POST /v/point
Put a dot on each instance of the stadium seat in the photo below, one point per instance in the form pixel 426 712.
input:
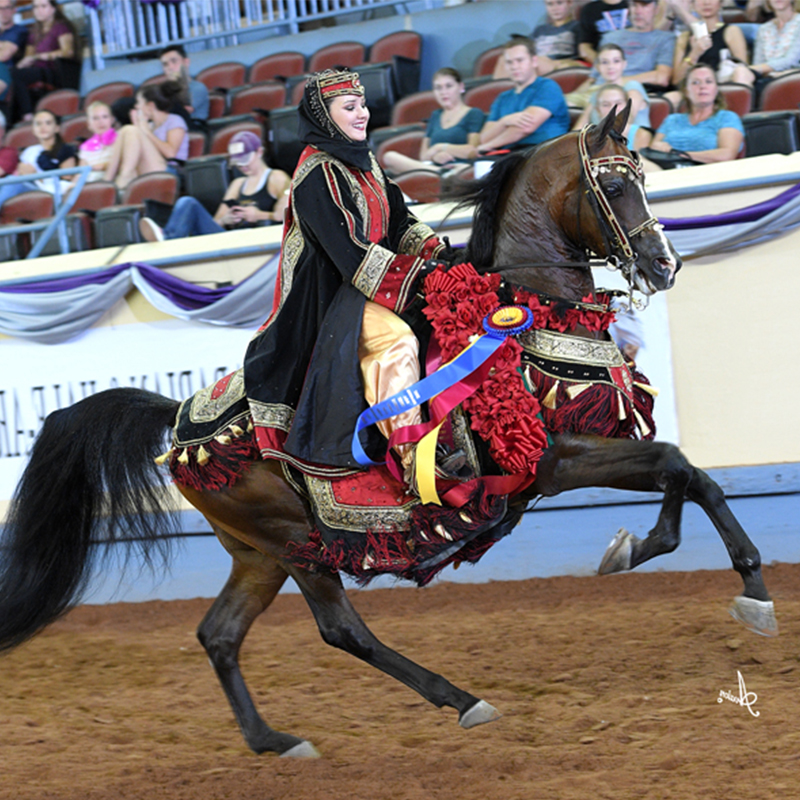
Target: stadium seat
pixel 75 128
pixel 486 61
pixel 782 94
pixel 220 138
pixel 399 43
pixel 79 236
pixel 769 132
pixel 117 226
pixel 160 78
pixel 294 90
pixel 422 186
pixel 570 78
pixel 28 206
pixel 206 179
pixel 660 109
pixel 408 144
pixel 416 107
pixel 265 96
pixel 9 248
pixel 160 186
pixel 20 136
pixel 284 146
pixel 484 95
pixel 108 93
pixel 278 65
pixel 217 104
pixel 341 54
pixel 379 85
pixel 62 102
pixel 738 97
pixel 197 144
pixel 96 195
pixel 226 75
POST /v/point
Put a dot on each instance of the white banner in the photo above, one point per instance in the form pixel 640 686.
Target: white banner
pixel 171 357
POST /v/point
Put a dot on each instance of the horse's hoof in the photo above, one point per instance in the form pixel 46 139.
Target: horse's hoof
pixel 478 714
pixel 618 556
pixel 757 616
pixel 303 750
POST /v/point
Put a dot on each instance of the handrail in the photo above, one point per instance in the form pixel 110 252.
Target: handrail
pixel 61 208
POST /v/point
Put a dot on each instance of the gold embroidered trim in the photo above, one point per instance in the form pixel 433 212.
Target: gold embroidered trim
pixel 272 415
pixel 414 239
pixel 308 469
pixel 204 408
pixel 372 271
pixel 561 347
pixel 354 518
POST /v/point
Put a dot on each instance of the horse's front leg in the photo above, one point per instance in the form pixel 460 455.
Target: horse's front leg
pixel 341 626
pixel 575 462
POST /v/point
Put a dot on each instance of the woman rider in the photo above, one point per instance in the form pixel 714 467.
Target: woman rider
pixel 352 259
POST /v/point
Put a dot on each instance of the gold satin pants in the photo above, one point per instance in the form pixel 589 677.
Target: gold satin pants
pixel 388 353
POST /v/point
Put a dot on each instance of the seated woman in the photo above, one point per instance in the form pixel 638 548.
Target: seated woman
pixel 708 132
pixel 95 152
pixel 50 153
pixel 155 141
pixel 777 47
pixel 52 56
pixel 453 130
pixel 608 98
pixel 258 198
pixel 610 65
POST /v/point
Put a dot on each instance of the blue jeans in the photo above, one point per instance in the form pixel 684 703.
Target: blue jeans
pixel 189 218
pixel 13 189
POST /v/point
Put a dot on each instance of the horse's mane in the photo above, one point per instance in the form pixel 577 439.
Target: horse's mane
pixel 484 194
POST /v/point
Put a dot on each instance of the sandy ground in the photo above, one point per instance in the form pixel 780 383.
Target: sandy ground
pixel 609 689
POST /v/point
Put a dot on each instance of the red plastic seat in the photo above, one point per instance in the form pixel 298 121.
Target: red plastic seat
pixel 220 139
pixel 226 75
pixel 161 186
pixel 570 78
pixel 217 103
pixel 486 62
pixel 484 95
pixel 420 185
pixel 108 93
pixel 277 65
pixel 296 93
pixel 96 195
pixel 660 109
pixel 399 43
pixel 160 78
pixel 75 128
pixel 28 206
pixel 416 107
pixel 341 54
pixel 782 94
pixel 263 95
pixel 407 143
pixel 62 102
pixel 20 136
pixel 738 97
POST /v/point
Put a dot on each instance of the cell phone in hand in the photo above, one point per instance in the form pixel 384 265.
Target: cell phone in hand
pixel 699 29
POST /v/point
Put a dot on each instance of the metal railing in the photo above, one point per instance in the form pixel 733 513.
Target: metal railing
pixel 124 28
pixel 61 206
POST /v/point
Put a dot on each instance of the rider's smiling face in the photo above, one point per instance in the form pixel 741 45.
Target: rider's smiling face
pixel 351 115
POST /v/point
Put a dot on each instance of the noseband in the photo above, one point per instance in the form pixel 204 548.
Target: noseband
pixel 621 250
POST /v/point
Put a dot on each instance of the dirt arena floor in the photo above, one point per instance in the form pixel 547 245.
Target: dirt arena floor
pixel 609 689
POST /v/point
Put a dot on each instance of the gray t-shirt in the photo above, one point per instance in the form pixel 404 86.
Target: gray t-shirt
pixel 644 51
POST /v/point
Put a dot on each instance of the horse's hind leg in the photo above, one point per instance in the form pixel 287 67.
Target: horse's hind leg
pixel 582 461
pixel 254 582
pixel 341 626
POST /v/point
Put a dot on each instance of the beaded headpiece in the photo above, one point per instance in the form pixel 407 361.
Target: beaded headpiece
pixel 324 86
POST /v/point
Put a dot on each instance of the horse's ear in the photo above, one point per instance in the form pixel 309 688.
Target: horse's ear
pixel 622 118
pixel 598 134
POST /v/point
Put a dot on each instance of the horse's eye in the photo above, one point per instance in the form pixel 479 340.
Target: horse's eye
pixel 614 189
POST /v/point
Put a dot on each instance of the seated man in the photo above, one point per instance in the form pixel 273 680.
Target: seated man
pixel 530 113
pixel 175 64
pixel 13 37
pixel 258 198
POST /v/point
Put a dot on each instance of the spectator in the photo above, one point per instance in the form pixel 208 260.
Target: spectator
pixel 777 46
pixel 530 113
pixel 708 43
pixel 155 141
pixel 175 64
pixel 96 150
pixel 708 132
pixel 648 52
pixel 12 36
pixel 9 158
pixel 612 97
pixel 611 66
pixel 258 198
pixel 52 56
pixel 453 133
pixel 599 17
pixel 50 153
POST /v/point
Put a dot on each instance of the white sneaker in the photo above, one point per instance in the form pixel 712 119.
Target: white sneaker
pixel 150 231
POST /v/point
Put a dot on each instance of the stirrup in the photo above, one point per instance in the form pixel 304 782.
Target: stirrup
pixel 451 465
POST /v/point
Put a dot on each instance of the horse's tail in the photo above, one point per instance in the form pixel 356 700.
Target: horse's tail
pixel 91 483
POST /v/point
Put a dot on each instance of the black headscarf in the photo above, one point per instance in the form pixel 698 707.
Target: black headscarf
pixel 316 126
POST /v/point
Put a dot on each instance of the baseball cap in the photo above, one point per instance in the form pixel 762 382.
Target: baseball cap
pixel 242 146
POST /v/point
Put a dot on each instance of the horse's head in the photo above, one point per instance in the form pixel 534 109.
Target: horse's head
pixel 613 216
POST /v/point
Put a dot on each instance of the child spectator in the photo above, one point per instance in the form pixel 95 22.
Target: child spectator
pixel 608 98
pixel 96 150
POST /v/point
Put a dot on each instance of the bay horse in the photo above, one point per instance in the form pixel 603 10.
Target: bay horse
pixel 91 484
